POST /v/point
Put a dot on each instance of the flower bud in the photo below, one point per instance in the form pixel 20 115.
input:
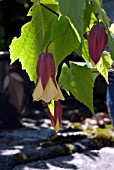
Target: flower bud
pixel 97 41
pixel 56 116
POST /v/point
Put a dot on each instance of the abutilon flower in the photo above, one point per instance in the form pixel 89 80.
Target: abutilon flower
pixel 97 40
pixel 46 88
pixel 56 117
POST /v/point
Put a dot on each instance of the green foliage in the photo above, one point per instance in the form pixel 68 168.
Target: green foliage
pixel 111 44
pixel 97 6
pixel 64 37
pixel 32 36
pixel 79 81
pixel 103 65
pixel 85 52
pixel 87 15
pixel 74 9
pixel 48 1
pixel 66 24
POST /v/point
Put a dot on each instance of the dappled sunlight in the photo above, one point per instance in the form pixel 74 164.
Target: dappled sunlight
pixel 9 152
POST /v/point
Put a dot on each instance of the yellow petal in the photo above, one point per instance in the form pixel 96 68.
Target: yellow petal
pixel 112 28
pixel 50 91
pixel 57 126
pixel 59 95
pixel 38 91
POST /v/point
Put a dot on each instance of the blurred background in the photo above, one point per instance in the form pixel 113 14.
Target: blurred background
pixel 14 83
pixel 12 17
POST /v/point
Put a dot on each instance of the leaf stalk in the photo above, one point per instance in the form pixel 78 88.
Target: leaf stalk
pixel 51 10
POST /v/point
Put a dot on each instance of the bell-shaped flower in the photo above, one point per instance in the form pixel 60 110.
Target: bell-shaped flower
pixel 55 115
pixel 46 88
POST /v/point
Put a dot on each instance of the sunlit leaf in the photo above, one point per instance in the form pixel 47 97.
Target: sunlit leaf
pixel 85 52
pixel 111 44
pixel 79 81
pixel 64 37
pixel 29 45
pixel 103 65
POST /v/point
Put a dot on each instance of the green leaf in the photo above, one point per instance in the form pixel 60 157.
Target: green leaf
pixel 85 52
pixel 92 22
pixel 103 65
pixel 28 46
pixel 79 81
pixel 74 10
pixel 34 1
pixel 111 44
pixel 87 15
pixel 64 38
pixel 97 6
pixel 47 36
pixel 78 50
pixel 98 2
pixel 48 1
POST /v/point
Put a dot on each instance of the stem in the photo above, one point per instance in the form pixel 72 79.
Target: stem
pixel 51 10
pixel 48 46
pixel 97 16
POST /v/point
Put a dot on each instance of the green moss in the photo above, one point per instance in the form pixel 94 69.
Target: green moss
pixel 58 150
pixel 47 143
pixel 90 128
pixel 20 158
pixel 69 148
pixel 105 133
pixel 76 126
pixel 108 126
pixel 102 137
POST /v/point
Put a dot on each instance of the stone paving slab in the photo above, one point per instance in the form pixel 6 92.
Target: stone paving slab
pixel 21 149
pixel 20 145
pixel 89 160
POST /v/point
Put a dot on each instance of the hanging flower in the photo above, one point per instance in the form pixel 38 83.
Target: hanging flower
pixel 46 88
pixel 55 115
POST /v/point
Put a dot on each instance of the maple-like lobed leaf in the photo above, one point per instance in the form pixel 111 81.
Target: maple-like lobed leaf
pixel 28 46
pixel 79 81
pixel 74 9
pixel 64 38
